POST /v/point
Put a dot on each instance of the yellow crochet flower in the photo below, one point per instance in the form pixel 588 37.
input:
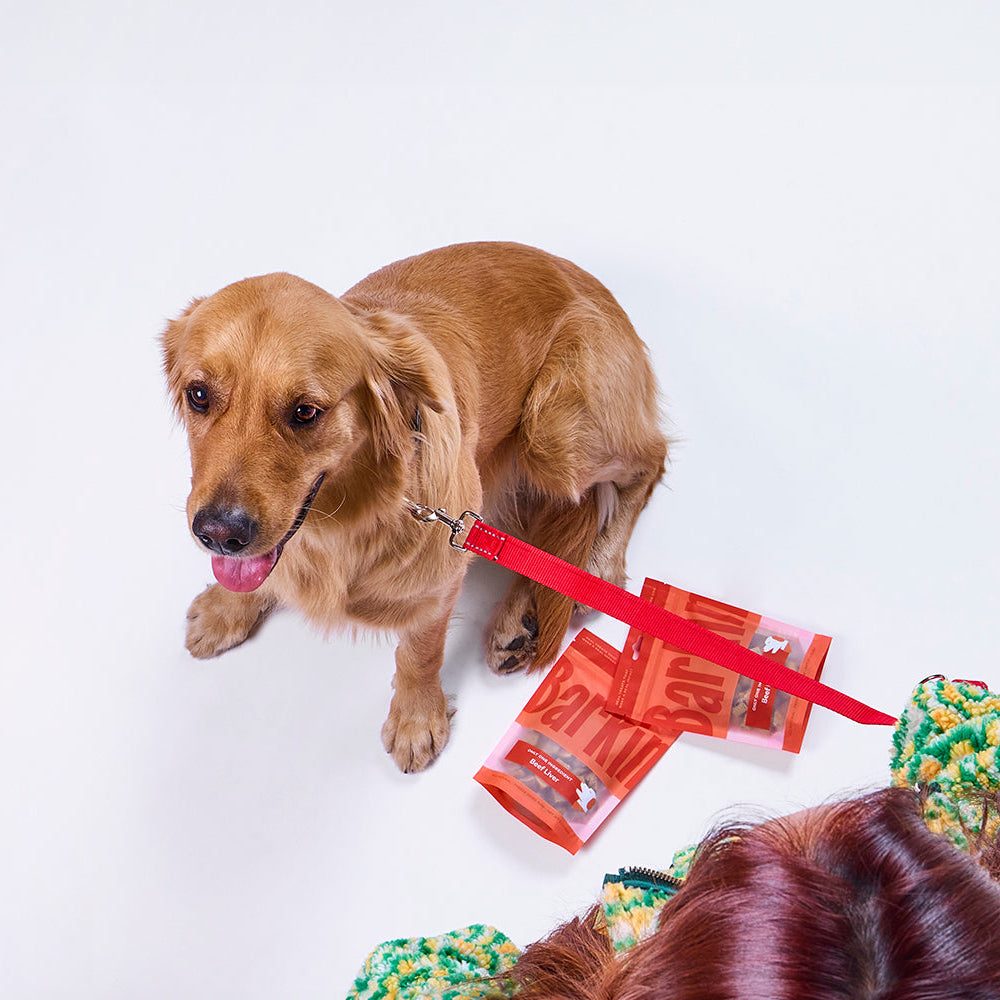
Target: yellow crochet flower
pixel 928 771
pixel 951 773
pixel 936 824
pixel 945 716
pixel 986 707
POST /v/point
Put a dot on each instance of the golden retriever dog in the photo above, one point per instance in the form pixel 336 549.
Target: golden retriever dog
pixel 485 376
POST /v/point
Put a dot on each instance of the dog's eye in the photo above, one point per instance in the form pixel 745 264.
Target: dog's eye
pixel 305 413
pixel 198 398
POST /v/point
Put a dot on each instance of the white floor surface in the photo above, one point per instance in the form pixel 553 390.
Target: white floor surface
pixel 798 210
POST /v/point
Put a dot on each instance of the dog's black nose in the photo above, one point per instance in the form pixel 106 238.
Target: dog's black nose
pixel 227 532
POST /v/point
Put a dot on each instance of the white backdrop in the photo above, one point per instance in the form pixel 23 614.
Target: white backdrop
pixel 798 210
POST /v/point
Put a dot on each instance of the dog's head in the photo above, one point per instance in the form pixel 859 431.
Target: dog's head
pixel 291 402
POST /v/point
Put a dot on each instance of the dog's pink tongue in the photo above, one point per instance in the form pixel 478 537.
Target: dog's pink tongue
pixel 243 575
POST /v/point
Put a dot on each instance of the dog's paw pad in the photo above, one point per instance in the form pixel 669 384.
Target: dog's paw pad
pixel 512 640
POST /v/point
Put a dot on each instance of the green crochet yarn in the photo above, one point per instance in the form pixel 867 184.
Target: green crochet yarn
pixel 631 900
pixel 631 913
pixel 946 742
pixel 447 967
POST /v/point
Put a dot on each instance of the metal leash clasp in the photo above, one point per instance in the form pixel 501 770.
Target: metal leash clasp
pixel 426 515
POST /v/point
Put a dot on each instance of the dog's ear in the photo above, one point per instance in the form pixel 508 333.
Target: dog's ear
pixel 406 376
pixel 170 343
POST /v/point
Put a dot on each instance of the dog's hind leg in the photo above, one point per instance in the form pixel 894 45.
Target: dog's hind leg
pixel 619 507
pixel 528 625
pixel 587 456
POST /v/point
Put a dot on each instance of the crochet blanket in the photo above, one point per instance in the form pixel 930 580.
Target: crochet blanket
pixel 459 964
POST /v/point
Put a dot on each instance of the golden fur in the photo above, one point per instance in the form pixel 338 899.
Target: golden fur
pixel 482 376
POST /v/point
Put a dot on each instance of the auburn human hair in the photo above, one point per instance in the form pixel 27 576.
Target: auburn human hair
pixel 852 900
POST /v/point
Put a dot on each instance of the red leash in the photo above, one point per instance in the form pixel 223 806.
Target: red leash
pixel 593 592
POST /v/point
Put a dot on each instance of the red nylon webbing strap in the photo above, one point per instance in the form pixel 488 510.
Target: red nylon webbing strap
pixel 565 578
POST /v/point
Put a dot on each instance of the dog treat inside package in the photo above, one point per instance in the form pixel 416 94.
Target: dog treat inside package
pixel 567 762
pixel 666 689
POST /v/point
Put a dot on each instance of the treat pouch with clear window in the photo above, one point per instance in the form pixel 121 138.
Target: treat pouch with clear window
pixel 566 762
pixel 667 689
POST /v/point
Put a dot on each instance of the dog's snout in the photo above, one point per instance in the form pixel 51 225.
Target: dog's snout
pixel 226 532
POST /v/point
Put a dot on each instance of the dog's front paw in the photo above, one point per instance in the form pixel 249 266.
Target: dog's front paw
pixel 219 619
pixel 417 729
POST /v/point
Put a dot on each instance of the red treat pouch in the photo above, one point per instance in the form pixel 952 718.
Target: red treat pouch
pixel 667 689
pixel 566 762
